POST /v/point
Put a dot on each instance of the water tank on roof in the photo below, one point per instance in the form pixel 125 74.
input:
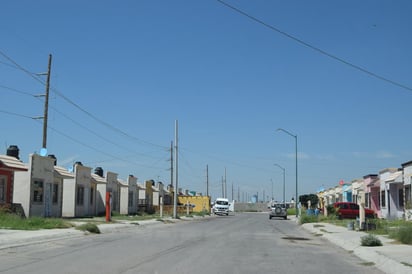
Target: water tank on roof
pixel 13 151
pixel 53 157
pixel 98 171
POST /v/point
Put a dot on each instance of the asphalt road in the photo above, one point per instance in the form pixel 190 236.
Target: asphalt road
pixel 244 243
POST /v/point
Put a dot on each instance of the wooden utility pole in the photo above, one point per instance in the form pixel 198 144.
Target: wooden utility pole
pixel 46 104
pixel 207 180
pixel 176 189
pixel 171 163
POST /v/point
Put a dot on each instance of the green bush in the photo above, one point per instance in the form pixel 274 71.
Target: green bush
pixel 92 228
pixel 370 240
pixel 403 233
pixel 308 219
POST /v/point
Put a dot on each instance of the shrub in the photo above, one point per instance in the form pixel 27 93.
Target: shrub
pixel 402 234
pixel 308 219
pixel 92 228
pixel 370 240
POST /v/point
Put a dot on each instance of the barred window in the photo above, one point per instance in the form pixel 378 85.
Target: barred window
pixel 38 191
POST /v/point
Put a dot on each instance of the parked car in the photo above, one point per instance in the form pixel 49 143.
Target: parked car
pixel 278 210
pixel 351 210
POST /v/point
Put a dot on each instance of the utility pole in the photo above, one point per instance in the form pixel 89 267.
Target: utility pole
pixel 225 186
pixel 171 163
pixel 207 180
pixel 232 193
pixel 176 189
pixel 46 104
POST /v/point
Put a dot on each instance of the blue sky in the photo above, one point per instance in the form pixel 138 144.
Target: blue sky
pixel 124 71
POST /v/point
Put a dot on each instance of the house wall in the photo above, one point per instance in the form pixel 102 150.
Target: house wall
pixel 37 180
pixel 407 179
pixel 21 190
pixel 133 194
pixel 82 191
pixel 69 198
pixel 113 187
pixel 7 177
pixel 384 194
pixel 57 190
pixel 202 203
pixel 101 198
pixel 124 199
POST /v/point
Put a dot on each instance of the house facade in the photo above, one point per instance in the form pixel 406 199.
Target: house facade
pixel 387 193
pixel 100 185
pixel 79 193
pixel 9 165
pixel 33 189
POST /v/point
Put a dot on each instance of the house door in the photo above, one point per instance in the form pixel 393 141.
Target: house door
pixel 47 200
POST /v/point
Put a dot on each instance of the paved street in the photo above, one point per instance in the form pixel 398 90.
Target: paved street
pixel 244 243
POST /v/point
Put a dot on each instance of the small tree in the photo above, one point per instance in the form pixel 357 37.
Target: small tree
pixel 313 198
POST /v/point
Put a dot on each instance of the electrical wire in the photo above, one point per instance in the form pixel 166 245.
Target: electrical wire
pixel 319 50
pixel 113 128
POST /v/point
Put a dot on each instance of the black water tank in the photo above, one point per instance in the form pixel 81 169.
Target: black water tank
pixel 98 171
pixel 53 157
pixel 13 151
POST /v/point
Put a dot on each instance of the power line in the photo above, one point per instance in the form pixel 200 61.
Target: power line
pixel 319 50
pixel 77 141
pixel 113 128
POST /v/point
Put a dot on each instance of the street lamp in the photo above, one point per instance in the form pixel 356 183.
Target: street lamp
pixel 284 171
pixel 296 164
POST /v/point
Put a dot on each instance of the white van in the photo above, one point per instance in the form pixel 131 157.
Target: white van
pixel 221 206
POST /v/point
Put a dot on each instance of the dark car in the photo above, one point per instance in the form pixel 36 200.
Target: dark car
pixel 348 210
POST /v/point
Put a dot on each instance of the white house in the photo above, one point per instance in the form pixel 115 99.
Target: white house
pixel 61 176
pixel 79 193
pixel 391 197
pixel 33 189
pixel 114 188
pixel 123 188
pixel 133 194
pixel 100 184
pixel 141 197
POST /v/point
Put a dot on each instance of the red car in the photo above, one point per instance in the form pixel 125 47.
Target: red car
pixel 351 210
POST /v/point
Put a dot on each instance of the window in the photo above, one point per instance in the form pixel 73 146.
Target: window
pixel 80 195
pixel 38 191
pixel 2 189
pixel 55 194
pixel 400 199
pixel 383 201
pixel 354 206
pixel 91 195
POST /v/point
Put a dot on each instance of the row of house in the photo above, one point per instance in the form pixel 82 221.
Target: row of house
pixel 41 188
pixel 388 193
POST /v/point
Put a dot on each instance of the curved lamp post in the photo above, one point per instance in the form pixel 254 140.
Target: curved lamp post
pixel 296 164
pixel 284 171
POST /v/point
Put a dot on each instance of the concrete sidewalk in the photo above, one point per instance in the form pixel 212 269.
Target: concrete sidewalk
pixel 10 238
pixel 390 258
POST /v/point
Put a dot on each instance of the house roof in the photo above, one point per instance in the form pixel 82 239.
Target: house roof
pixel 12 163
pixel 396 177
pixel 62 172
pixel 122 182
pixel 374 183
pixel 98 179
pixel 141 186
